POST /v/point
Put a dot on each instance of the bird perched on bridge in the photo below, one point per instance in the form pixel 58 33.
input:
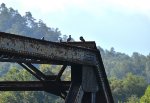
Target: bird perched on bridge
pixel 42 38
pixel 82 39
pixel 60 39
pixel 69 39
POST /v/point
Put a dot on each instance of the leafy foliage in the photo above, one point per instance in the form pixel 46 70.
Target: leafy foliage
pixel 146 97
pixel 128 86
pixel 133 99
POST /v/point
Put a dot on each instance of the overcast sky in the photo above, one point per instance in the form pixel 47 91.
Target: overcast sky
pixel 122 24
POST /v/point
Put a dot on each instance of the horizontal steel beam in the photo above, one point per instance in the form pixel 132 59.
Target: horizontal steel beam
pixel 46 50
pixel 87 44
pixel 33 61
pixel 53 87
pixel 34 85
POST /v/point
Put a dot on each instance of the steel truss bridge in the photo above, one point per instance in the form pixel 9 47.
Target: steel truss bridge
pixel 88 84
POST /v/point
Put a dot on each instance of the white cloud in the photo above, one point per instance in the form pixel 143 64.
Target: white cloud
pixel 91 6
pixel 38 5
pixel 141 6
pixel 122 6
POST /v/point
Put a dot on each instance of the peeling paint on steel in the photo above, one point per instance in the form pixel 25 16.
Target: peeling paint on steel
pixel 47 50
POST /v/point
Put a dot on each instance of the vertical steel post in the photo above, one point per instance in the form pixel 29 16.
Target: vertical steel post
pixel 76 79
pixel 93 97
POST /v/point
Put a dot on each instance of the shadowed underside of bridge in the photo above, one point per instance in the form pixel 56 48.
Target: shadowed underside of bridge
pixel 88 83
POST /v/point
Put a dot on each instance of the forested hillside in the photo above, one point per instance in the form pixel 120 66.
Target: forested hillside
pixel 129 76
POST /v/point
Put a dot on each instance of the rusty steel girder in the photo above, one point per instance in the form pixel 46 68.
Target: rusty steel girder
pixel 87 44
pixel 25 46
pixel 41 51
pixel 56 88
pixel 33 85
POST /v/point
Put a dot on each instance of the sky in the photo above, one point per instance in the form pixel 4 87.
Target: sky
pixel 122 24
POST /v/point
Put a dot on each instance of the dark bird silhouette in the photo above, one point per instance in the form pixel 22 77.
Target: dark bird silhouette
pixel 60 39
pixel 42 38
pixel 69 39
pixel 82 39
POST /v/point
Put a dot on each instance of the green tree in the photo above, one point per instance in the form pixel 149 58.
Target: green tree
pixel 128 86
pixel 146 97
pixel 133 99
pixel 147 69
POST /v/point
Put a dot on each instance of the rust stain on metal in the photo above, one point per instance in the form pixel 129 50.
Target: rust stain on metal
pixel 48 50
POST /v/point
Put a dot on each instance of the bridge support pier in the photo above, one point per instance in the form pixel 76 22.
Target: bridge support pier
pixel 84 86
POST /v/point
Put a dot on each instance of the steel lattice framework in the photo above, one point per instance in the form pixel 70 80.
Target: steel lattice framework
pixel 88 83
